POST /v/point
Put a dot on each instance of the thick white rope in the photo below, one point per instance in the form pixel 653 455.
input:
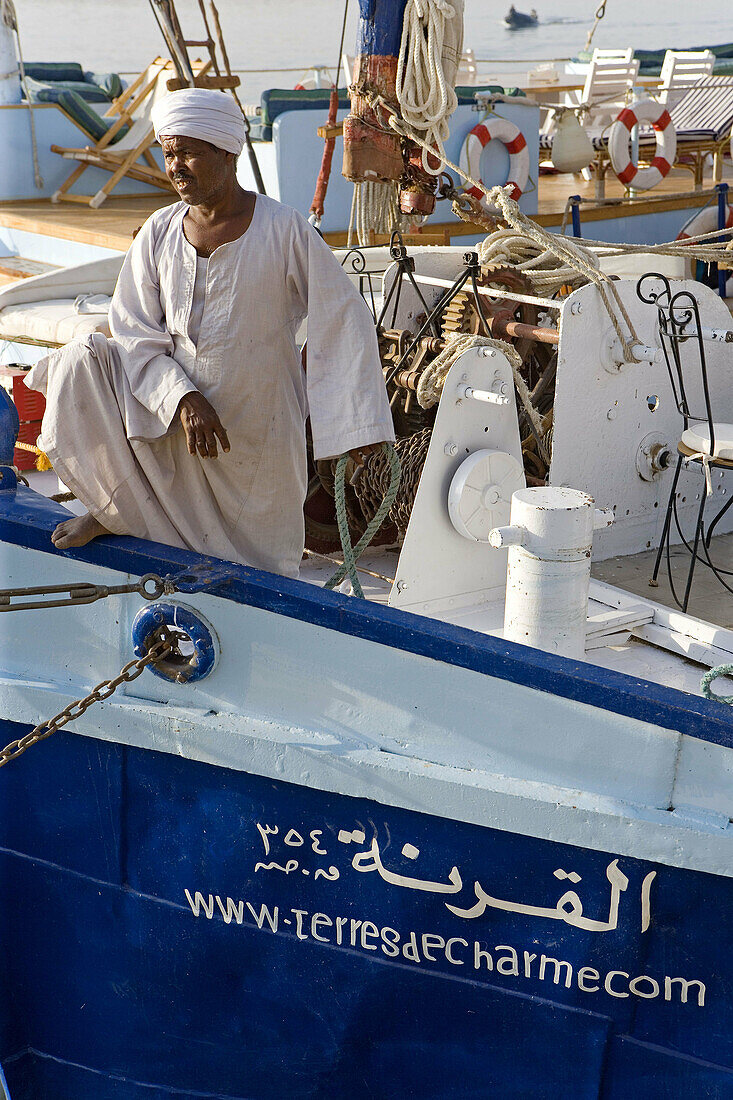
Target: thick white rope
pixel 374 209
pixel 546 272
pixel 562 247
pixel 426 99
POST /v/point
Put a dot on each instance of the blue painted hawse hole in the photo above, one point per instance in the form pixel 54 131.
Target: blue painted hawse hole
pixel 199 649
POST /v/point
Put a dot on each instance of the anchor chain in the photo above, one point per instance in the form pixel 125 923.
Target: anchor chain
pixel 166 644
pixel 150 587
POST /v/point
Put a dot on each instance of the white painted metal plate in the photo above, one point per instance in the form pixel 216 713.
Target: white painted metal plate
pixel 602 416
pixel 438 568
pixel 480 493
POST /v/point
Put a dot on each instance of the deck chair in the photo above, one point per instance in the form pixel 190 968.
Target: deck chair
pixel 680 70
pixel 130 155
pixel 703 119
pixel 608 85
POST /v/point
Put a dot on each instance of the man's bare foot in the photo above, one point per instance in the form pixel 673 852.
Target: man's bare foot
pixel 77 531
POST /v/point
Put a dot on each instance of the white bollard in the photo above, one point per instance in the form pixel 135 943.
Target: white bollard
pixel 550 538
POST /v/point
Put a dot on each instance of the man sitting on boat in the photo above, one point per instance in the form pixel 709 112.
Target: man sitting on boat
pixel 203 360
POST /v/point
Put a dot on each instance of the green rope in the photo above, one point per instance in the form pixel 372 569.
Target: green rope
pixel 352 554
pixel 719 670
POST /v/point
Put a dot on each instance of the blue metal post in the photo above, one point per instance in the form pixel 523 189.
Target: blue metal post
pixel 575 212
pixel 722 189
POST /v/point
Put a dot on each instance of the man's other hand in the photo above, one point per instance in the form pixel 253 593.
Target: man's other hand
pixel 202 426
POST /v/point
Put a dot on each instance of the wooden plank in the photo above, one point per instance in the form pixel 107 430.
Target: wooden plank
pixel 20 267
pixel 334 131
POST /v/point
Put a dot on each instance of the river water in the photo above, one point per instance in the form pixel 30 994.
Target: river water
pixel 122 35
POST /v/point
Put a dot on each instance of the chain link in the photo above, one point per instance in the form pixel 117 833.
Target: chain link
pixel 102 691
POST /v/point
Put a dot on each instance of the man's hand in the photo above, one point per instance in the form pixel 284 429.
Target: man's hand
pixel 201 425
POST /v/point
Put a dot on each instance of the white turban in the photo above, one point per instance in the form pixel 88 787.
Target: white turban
pixel 200 113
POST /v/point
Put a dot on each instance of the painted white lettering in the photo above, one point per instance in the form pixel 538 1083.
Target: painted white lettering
pixel 340 922
pixel 429 942
pixel 317 920
pixel 369 929
pixel 330 875
pixel 448 950
pixel 509 963
pixel 390 940
pixel 528 959
pixel 263 831
pixel 355 924
pixel 291 865
pixel 634 986
pixel 479 955
pixel 299 914
pixel 197 903
pixel 545 959
pixel 355 837
pixel 645 903
pixel 410 949
pixel 232 909
pixel 294 839
pixel 607 984
pixel 587 972
pixel 265 915
pixel 684 986
pixel 315 842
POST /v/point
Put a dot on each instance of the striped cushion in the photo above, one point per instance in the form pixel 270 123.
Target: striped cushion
pixel 705 112
pixel 86 117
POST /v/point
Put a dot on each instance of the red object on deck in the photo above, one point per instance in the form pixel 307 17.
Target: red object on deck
pixel 319 197
pixel 28 433
pixel 31 406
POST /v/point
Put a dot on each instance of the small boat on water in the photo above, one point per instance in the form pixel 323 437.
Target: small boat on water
pixel 471 835
pixel 516 19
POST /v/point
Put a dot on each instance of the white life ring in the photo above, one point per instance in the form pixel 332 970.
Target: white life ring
pixel 705 221
pixel 643 110
pixel 504 131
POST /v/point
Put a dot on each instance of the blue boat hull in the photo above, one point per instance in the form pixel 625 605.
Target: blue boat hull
pixel 324 960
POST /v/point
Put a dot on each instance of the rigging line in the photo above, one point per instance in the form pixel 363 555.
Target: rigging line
pixel 341 45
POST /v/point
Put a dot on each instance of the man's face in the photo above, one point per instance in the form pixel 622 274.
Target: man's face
pixel 198 171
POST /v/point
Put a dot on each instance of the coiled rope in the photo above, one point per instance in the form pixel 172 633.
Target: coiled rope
pixel 562 247
pixel 713 674
pixel 432 379
pixel 426 99
pixel 545 270
pixel 352 554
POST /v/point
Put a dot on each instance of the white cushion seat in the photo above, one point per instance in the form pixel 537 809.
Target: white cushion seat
pixel 697 439
pixel 53 322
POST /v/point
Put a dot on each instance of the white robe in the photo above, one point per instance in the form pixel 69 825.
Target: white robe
pixel 109 427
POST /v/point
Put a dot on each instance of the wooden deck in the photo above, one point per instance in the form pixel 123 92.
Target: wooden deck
pixel 113 225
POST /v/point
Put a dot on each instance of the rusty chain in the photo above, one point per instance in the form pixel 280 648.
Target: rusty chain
pixel 130 672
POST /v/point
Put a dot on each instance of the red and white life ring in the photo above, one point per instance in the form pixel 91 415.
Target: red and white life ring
pixel 504 131
pixel 643 110
pixel 705 221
